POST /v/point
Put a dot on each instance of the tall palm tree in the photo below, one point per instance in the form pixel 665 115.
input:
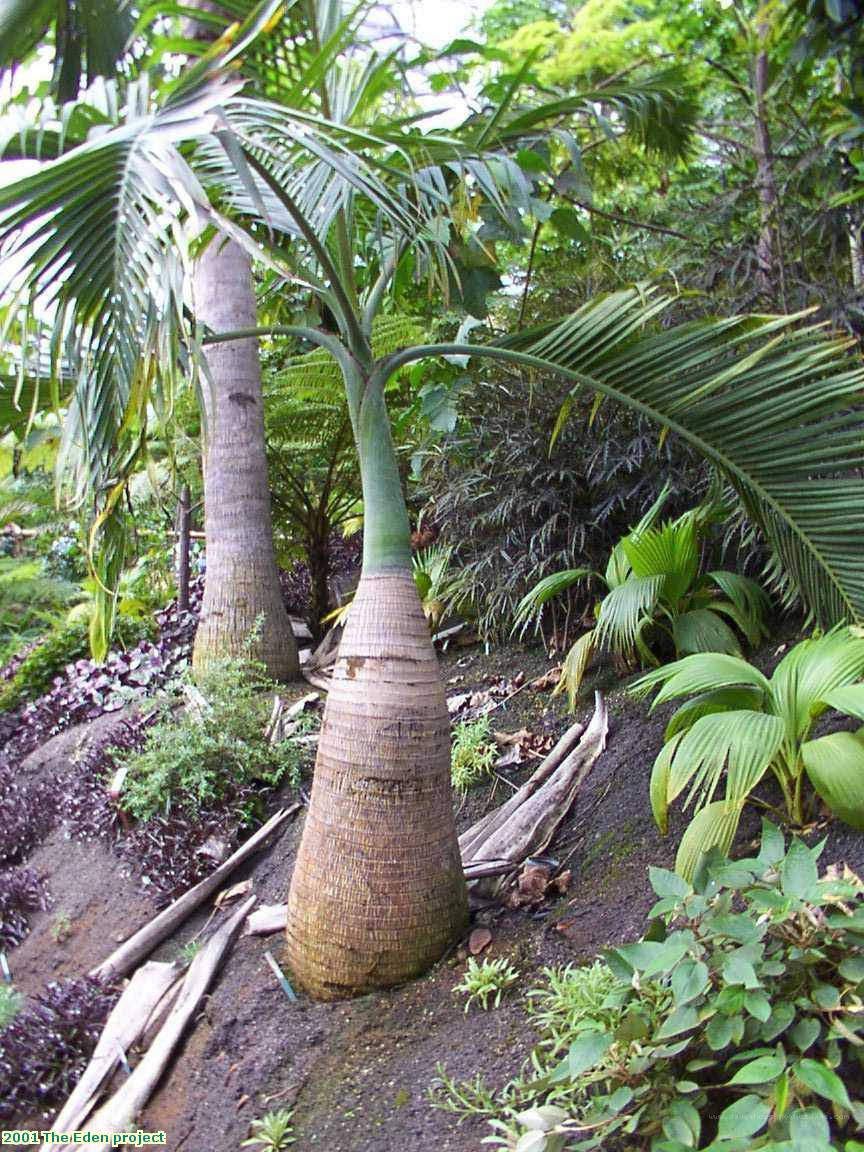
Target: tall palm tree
pixel 242 612
pixel 377 891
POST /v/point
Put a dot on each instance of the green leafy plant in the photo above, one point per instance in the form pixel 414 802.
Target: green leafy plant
pixel 61 926
pixel 572 995
pixel 437 584
pixel 472 753
pixel 736 1024
pixel 30 598
pixel 42 663
pixel 486 980
pixel 211 749
pixel 11 1003
pixel 273 1132
pixel 745 725
pixel 658 599
pixel 187 952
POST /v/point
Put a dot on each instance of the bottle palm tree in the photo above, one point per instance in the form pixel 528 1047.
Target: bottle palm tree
pixel 377 892
pixel 242 610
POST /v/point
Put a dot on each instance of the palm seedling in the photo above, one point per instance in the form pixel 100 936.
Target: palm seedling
pixel 742 725
pixel 657 599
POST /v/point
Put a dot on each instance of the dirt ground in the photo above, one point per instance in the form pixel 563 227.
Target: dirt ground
pixel 357 1074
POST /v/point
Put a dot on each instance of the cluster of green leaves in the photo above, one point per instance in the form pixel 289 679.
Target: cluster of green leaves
pixel 742 724
pixel 11 1003
pixel 472 753
pixel 42 663
pixel 273 1132
pixel 658 599
pixel 735 1024
pixel 30 599
pixel 215 750
pixel 486 980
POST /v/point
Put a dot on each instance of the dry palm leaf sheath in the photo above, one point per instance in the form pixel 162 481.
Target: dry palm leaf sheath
pixel 526 824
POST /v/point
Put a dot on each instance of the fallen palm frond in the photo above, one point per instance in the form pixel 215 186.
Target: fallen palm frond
pixel 127 1022
pixel 471 840
pixel 526 824
pixel 137 947
pixel 123 1108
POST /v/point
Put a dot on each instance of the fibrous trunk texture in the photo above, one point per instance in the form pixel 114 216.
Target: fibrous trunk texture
pixel 242 612
pixel 378 892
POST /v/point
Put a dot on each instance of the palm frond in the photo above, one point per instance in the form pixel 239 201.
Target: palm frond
pixel 702 672
pixel 773 403
pixel 811 672
pixel 659 109
pixel 623 610
pixel 702 630
pixel 530 606
pixel 748 603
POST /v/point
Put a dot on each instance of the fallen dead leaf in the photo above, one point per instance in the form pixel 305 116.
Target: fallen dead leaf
pixel 232 893
pixel 547 680
pixel 512 758
pixel 518 737
pixel 479 940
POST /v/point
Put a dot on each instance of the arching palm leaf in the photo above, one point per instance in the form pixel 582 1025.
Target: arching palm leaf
pixel 775 404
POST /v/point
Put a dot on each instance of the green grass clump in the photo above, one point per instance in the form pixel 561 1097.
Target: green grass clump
pixel 472 753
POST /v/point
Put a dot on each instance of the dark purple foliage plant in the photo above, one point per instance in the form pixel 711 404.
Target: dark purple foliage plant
pixel 45 1048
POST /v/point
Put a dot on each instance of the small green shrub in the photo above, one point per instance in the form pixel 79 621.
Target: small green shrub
pixel 273 1132
pixel 60 647
pixel 485 980
pixel 207 755
pixel 737 1023
pixel 472 753
pixel 11 1003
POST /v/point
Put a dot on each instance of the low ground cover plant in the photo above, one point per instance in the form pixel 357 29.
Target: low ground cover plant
pixel 45 1047
pixel 658 599
pixel 486 980
pixel 213 750
pixel 472 753
pixel 740 723
pixel 22 892
pixel 736 1023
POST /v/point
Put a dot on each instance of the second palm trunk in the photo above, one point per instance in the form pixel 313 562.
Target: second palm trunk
pixel 242 612
pixel 378 893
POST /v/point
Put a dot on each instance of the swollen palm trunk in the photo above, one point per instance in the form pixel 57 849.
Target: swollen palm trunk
pixel 242 612
pixel 378 892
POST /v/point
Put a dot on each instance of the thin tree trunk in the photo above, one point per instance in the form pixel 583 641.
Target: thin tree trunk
pixel 242 611
pixel 184 531
pixel 856 254
pixel 770 271
pixel 378 892
pixel 318 556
